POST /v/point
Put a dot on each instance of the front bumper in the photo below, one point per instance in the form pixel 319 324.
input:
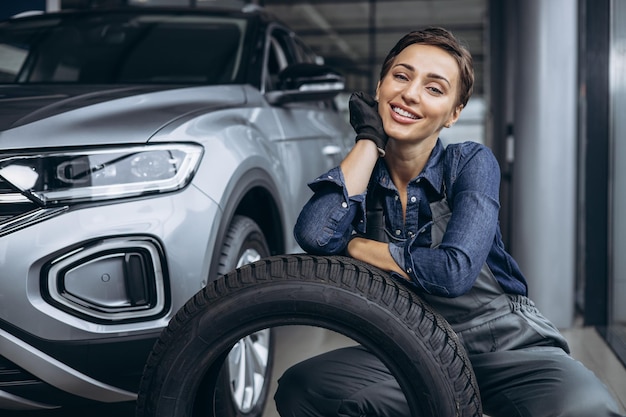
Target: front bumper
pixel 66 329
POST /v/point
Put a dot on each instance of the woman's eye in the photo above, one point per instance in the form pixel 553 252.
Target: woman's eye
pixel 435 90
pixel 401 77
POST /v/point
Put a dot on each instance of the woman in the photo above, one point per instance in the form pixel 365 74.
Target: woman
pixel 440 233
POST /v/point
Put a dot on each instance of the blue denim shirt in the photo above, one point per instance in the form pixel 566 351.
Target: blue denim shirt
pixel 468 175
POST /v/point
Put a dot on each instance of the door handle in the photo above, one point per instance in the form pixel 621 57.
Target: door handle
pixel 331 150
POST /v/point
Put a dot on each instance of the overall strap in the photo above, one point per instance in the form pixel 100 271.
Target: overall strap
pixel 375 214
pixel 450 167
pixel 374 200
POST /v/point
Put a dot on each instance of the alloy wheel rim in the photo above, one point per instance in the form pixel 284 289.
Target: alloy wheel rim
pixel 248 359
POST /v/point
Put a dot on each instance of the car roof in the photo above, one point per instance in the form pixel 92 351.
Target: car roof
pixel 244 11
pixel 259 20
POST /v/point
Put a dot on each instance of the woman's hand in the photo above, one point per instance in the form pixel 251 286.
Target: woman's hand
pixel 374 253
pixel 366 121
pixel 358 165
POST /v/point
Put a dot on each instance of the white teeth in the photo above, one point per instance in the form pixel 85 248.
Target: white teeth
pixel 404 113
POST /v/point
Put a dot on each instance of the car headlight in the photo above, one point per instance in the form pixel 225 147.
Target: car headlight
pixel 101 173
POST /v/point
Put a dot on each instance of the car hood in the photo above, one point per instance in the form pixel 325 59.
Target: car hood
pixel 106 114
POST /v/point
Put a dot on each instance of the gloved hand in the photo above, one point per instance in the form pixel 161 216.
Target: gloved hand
pixel 366 121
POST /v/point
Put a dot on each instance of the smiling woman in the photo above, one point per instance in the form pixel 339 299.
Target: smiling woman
pixel 416 98
pixel 438 212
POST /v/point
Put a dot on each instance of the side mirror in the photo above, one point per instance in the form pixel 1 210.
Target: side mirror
pixel 306 82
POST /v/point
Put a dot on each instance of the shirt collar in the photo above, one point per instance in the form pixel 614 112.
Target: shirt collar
pixel 432 172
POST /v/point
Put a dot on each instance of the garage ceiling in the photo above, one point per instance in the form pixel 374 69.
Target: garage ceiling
pixel 354 36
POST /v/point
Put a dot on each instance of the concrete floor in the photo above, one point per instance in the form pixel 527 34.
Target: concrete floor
pixel 590 348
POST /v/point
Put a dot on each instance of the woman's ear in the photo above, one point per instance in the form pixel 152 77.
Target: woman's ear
pixel 454 116
pixel 377 88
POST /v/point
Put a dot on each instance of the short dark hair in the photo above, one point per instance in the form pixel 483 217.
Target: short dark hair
pixel 445 40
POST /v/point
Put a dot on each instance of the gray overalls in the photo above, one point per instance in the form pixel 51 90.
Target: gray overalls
pixel 520 359
pixel 486 319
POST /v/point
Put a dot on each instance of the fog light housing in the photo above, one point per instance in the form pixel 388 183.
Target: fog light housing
pixel 113 280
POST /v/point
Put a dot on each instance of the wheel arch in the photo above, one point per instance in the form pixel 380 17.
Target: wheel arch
pixel 259 204
pixel 256 196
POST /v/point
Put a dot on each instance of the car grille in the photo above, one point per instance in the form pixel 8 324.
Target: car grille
pixel 17 211
pixel 12 203
pixel 13 375
pixel 27 388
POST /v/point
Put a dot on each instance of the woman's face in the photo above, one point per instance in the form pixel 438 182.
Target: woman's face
pixel 419 94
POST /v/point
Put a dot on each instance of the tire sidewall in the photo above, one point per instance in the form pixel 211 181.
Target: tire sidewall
pixel 243 234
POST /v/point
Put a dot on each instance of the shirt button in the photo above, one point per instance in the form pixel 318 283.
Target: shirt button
pixel 413 199
pixel 398 231
pixel 409 270
pixel 330 177
pixel 344 205
pixel 396 198
pixel 418 180
pixel 411 234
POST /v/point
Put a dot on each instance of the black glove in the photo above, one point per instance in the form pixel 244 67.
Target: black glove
pixel 366 121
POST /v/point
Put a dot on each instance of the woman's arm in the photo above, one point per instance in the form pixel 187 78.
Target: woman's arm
pixel 358 165
pixel 325 224
pixel 374 253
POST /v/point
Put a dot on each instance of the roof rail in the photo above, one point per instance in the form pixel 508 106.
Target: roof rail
pixel 27 13
pixel 251 7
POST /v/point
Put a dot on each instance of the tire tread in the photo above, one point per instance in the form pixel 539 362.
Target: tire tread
pixel 337 271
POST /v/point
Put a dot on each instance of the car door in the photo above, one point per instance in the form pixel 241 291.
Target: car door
pixel 314 134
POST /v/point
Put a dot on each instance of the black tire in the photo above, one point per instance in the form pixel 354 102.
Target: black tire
pixel 243 235
pixel 244 380
pixel 341 294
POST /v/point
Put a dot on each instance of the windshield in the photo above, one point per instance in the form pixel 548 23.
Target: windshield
pixel 122 48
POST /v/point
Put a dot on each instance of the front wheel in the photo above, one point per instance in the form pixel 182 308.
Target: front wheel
pixel 340 294
pixel 244 381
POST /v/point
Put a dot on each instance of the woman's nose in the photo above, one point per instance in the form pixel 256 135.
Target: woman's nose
pixel 411 93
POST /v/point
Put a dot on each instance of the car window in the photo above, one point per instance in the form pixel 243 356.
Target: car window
pixel 305 54
pixel 281 54
pixel 119 48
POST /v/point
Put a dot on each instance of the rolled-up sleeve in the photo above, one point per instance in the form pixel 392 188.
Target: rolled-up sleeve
pixel 329 218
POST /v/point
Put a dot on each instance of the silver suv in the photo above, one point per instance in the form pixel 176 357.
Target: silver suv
pixel 144 152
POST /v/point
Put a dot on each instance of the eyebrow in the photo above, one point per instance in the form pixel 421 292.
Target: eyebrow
pixel 429 75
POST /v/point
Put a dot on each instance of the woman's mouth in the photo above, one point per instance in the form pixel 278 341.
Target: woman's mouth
pixel 404 113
